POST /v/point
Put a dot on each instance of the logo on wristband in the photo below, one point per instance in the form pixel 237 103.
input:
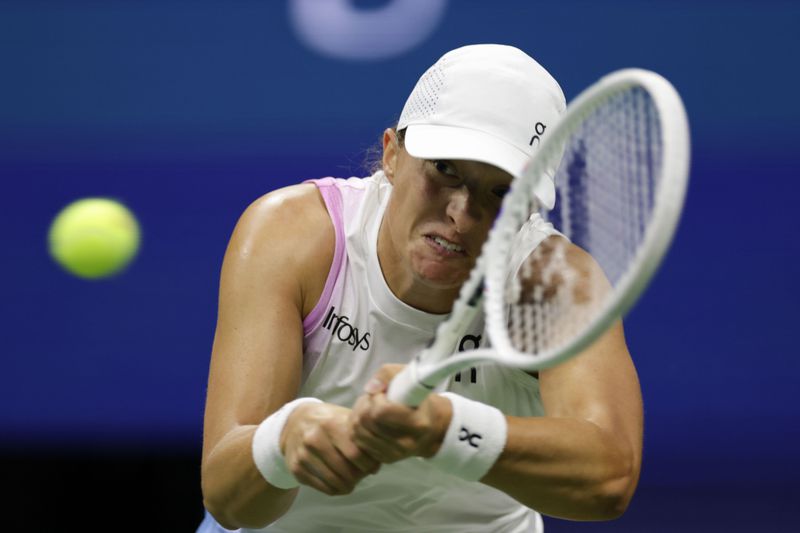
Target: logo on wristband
pixel 471 438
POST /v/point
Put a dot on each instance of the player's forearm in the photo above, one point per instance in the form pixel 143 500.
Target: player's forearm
pixel 234 491
pixel 566 467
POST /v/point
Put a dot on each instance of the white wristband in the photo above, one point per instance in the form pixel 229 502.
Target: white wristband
pixel 267 446
pixel 474 440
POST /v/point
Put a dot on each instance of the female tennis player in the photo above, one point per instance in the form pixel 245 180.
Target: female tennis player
pixel 328 287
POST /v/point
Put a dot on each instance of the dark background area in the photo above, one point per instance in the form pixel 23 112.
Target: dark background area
pixel 189 110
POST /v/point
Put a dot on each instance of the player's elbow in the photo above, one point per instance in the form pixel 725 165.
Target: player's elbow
pixel 611 505
pixel 252 506
pixel 223 505
pixel 217 506
pixel 218 514
pixel 615 494
pixel 232 516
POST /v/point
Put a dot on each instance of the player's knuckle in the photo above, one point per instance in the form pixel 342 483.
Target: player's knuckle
pixel 351 453
pixel 327 426
pixel 322 487
pixel 314 440
pixel 295 469
pixel 342 485
pixel 391 457
pixel 302 457
pixel 420 427
pixel 361 418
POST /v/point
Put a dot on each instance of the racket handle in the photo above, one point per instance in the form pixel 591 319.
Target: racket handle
pixel 405 387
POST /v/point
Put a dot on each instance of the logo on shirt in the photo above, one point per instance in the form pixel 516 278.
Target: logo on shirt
pixel 469 342
pixel 341 328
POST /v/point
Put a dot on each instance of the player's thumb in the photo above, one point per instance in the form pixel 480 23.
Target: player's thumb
pixel 380 381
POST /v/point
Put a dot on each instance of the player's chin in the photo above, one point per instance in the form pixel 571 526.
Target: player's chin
pixel 448 275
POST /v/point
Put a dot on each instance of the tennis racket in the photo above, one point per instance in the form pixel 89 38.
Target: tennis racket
pixel 620 158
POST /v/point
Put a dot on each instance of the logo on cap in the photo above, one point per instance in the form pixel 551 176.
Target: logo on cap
pixel 538 132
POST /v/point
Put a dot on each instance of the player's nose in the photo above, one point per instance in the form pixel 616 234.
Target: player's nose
pixel 462 209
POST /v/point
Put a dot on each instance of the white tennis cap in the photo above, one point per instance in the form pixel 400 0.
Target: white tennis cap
pixel 485 102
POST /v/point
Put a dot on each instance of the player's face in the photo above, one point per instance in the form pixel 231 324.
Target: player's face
pixel 440 215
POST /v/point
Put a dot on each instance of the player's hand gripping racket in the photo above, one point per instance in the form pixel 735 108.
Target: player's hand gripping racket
pixel 621 158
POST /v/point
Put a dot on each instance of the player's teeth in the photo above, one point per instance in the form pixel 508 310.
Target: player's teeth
pixel 449 245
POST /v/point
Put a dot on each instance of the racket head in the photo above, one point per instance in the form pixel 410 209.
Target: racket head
pixel 622 152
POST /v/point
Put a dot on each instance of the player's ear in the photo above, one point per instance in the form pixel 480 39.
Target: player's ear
pixel 390 150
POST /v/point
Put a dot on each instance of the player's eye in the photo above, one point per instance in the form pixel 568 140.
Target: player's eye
pixel 500 192
pixel 444 167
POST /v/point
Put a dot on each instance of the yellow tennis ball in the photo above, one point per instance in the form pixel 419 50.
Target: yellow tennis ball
pixel 94 237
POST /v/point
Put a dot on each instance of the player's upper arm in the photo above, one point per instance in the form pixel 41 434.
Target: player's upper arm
pixel 274 270
pixel 600 385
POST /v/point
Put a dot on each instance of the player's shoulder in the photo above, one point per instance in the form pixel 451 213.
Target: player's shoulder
pixel 288 228
pixel 286 214
pixel 293 207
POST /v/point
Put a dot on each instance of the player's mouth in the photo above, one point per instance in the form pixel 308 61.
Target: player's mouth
pixel 445 247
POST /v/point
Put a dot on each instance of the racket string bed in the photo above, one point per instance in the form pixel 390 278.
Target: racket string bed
pixel 606 180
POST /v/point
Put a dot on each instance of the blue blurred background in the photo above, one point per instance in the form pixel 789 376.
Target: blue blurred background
pixel 189 110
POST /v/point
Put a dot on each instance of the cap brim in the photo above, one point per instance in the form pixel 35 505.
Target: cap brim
pixel 431 141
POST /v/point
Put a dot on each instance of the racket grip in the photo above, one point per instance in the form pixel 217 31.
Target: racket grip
pixel 405 388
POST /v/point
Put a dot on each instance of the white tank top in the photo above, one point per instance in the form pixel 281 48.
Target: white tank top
pixel 359 325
